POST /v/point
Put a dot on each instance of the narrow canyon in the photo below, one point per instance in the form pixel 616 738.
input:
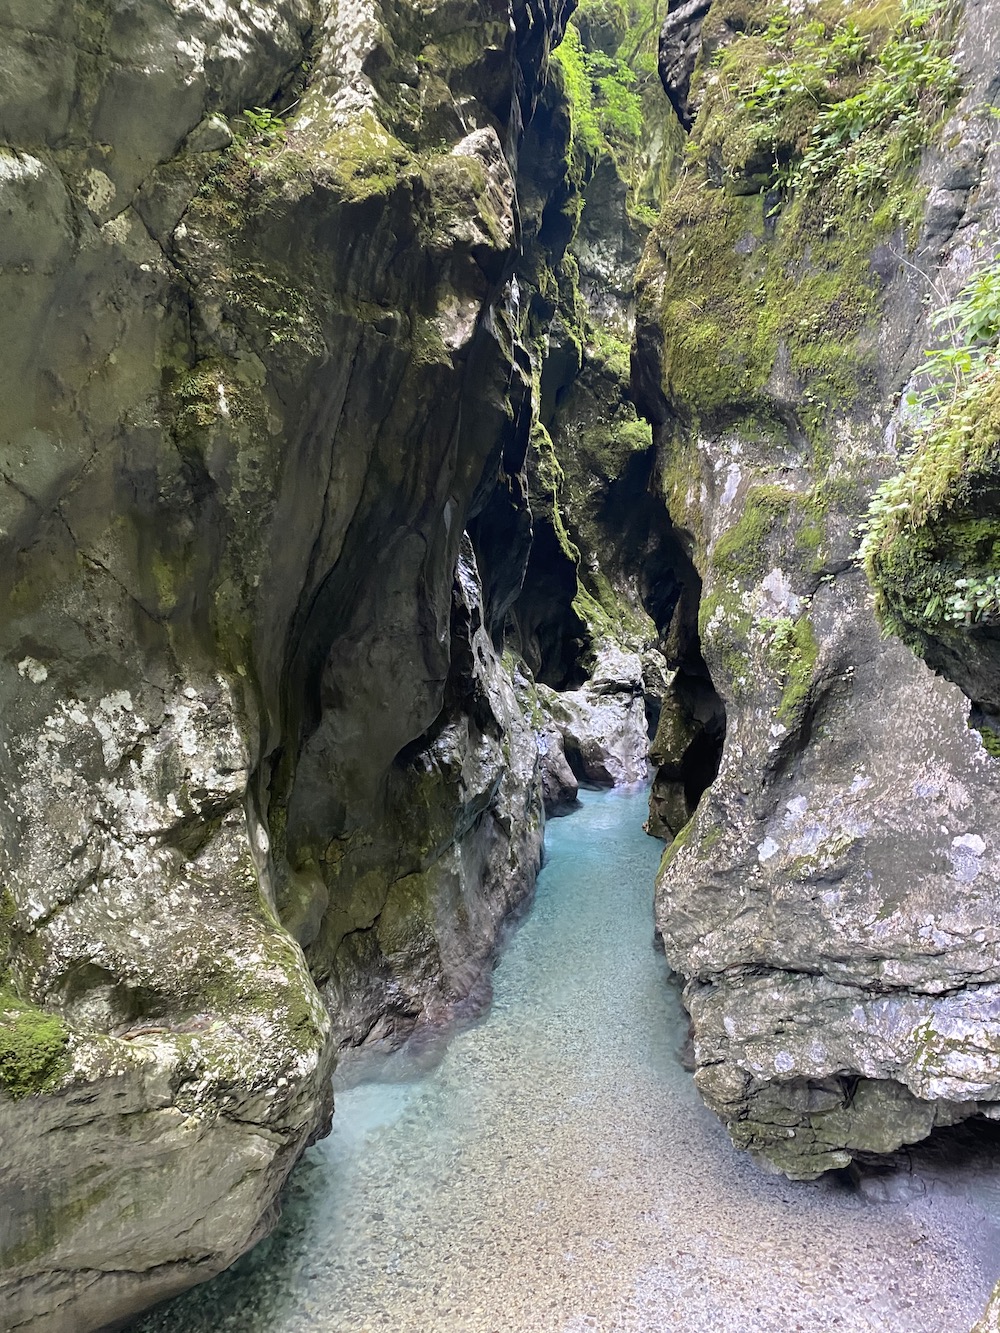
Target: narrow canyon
pixel 443 437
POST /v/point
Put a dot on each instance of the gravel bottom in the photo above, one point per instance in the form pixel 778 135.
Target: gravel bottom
pixel 552 1168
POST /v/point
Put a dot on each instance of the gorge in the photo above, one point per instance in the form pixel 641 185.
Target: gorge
pixel 556 1165
pixel 416 411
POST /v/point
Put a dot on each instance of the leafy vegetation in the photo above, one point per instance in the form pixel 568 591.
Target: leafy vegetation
pixel 264 125
pixel 571 57
pixel 801 162
pixel 931 541
pixel 843 101
pixel 972 599
pixel 618 105
pixel 608 61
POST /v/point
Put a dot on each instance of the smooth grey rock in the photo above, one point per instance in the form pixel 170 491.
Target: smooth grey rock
pixel 210 135
pixel 465 825
pixel 251 398
pixel 603 725
pixel 560 788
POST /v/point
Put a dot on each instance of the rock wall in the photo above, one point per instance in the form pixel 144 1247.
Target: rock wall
pixel 318 448
pixel 265 369
pixel 603 618
pixel 831 906
pixel 336 549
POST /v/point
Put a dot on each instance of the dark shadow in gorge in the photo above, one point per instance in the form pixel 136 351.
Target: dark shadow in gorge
pixel 605 531
pixel 691 730
pixel 955 1160
pixel 644 557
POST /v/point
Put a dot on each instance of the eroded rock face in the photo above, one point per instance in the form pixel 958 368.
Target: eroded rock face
pixel 680 45
pixel 685 750
pixel 946 543
pixel 239 457
pixel 831 903
pixel 560 787
pixel 603 725
pixel 857 872
pixel 465 825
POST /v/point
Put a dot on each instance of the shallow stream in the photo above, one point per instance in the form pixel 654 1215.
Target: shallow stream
pixel 553 1171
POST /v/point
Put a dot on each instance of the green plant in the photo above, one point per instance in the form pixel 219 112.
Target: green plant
pixel 912 79
pixel 943 411
pixel 973 599
pixel 609 81
pixel 929 546
pixel 781 632
pixel 618 106
pixel 793 652
pixel 570 56
pixel 975 316
pixel 261 133
pixel 265 124
pixel 825 101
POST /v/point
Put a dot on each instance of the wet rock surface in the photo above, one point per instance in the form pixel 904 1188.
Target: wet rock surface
pixel 468 801
pixel 830 903
pixel 554 1169
pixel 239 458
pixel 680 46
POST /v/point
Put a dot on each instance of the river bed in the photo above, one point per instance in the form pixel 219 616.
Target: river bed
pixel 552 1170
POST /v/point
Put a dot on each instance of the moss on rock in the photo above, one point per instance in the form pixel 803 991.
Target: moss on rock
pixel 932 550
pixel 32 1046
pixel 766 244
pixel 743 551
pixel 794 651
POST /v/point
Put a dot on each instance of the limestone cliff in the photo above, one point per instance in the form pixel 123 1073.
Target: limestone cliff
pixel 609 588
pixel 263 373
pixel 832 904
pixel 336 551
pixel 318 449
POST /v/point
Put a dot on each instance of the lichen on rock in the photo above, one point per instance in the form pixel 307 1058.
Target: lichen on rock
pixel 256 276
pixel 825 871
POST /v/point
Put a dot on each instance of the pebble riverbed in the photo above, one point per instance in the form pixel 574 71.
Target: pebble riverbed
pixel 551 1169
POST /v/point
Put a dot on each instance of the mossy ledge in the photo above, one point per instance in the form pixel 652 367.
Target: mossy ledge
pixel 32 1047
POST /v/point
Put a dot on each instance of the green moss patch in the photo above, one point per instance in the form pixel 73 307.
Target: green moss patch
pixel 802 160
pixel 777 527
pixel 32 1047
pixel 793 654
pixel 821 95
pixel 932 545
pixel 739 305
pixel 743 552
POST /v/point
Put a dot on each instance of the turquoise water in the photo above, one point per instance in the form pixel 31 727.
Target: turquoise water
pixel 552 1168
